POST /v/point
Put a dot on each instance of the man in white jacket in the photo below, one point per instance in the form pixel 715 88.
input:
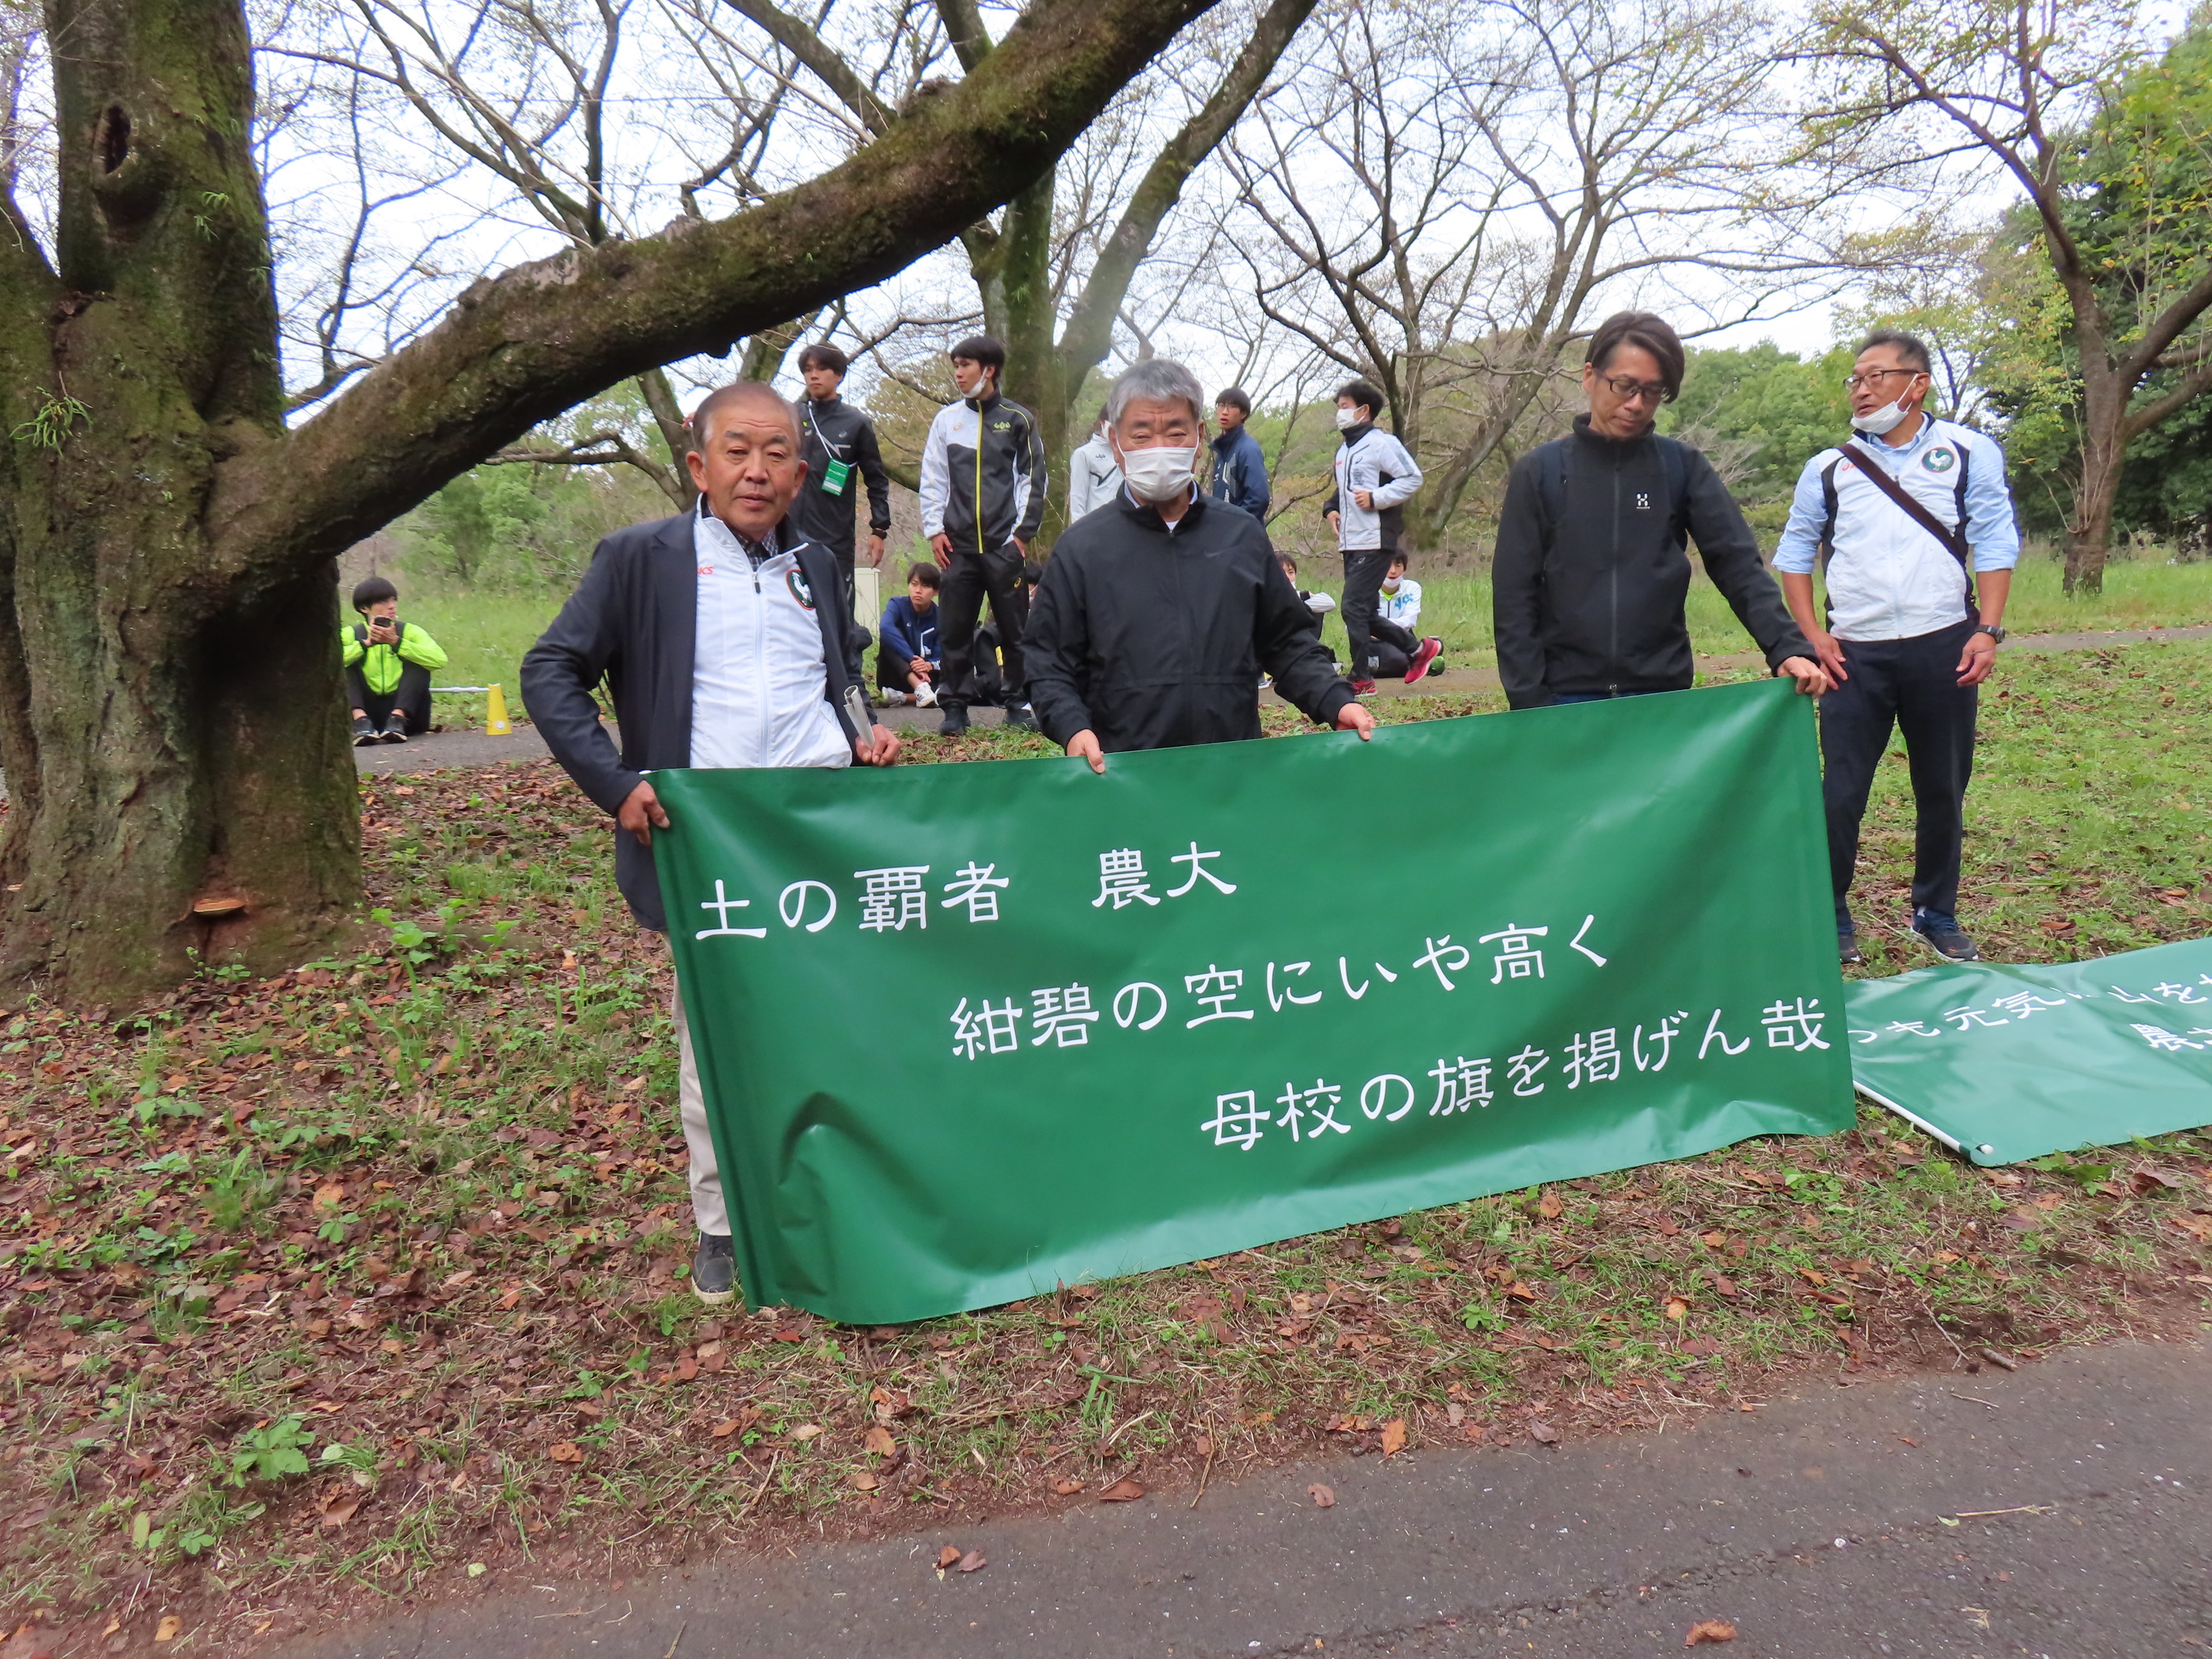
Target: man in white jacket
pixel 1093 475
pixel 1375 477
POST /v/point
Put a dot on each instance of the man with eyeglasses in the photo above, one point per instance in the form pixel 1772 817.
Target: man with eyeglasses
pixel 1592 569
pixel 1911 510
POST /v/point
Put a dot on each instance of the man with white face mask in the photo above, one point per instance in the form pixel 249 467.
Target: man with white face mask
pixel 1376 477
pixel 1157 615
pixel 1902 506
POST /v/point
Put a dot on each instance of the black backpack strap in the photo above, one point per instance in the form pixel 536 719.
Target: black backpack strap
pixel 1552 487
pixel 1674 462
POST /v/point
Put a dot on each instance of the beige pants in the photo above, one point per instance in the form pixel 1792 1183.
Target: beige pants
pixel 705 1174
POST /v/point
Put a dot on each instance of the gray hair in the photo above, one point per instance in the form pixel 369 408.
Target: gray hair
pixel 1156 380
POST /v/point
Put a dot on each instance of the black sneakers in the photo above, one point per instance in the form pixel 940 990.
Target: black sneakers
pixel 1022 717
pixel 955 723
pixel 1847 948
pixel 1945 939
pixel 364 732
pixel 714 1269
pixel 395 729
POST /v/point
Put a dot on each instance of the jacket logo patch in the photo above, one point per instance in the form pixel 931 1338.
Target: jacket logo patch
pixel 1642 501
pixel 796 581
pixel 1939 460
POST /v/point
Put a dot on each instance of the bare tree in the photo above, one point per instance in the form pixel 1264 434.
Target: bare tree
pixel 1057 329
pixel 1444 193
pixel 2025 86
pixel 179 776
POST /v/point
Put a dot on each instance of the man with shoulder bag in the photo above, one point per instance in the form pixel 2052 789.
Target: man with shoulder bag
pixel 1912 509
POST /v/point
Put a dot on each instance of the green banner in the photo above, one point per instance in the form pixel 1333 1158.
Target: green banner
pixel 2007 1063
pixel 967 1031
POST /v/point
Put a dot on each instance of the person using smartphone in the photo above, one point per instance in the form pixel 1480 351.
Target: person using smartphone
pixel 388 665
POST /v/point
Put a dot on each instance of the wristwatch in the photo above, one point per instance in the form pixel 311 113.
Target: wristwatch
pixel 1992 631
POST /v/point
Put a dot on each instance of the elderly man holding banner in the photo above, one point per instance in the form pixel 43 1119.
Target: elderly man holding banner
pixel 1157 615
pixel 721 634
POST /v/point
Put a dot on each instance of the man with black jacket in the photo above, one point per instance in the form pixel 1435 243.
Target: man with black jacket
pixel 721 634
pixel 1591 571
pixel 982 498
pixel 837 441
pixel 1157 616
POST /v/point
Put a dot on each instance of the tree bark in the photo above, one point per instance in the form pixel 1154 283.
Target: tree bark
pixel 171 707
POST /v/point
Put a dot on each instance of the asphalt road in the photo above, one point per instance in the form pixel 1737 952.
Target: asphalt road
pixel 1835 1524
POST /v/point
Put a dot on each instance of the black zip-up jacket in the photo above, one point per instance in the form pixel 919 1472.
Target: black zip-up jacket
pixel 983 475
pixel 1593 602
pixel 634 621
pixel 836 431
pixel 1153 640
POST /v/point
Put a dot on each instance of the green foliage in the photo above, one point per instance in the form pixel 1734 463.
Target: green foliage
pixel 54 423
pixel 270 1451
pixel 2142 197
pixel 1759 412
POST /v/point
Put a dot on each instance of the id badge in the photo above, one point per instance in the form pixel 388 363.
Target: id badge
pixel 834 477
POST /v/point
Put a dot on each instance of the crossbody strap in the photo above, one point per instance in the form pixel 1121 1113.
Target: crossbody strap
pixel 1953 539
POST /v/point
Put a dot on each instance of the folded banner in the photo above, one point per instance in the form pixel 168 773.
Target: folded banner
pixel 2007 1063
pixel 967 1031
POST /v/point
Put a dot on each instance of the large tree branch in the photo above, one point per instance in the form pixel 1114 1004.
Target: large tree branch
pixel 2140 420
pixel 1089 329
pixel 2144 355
pixel 964 28
pixel 820 58
pixel 523 347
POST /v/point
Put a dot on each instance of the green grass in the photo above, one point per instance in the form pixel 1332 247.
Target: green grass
pixel 423 1198
pixel 2138 593
pixel 485 633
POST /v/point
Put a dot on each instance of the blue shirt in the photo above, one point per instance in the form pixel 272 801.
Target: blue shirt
pixel 1889 578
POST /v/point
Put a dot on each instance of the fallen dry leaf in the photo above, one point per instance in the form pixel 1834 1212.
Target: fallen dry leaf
pixel 948 1556
pixel 566 1451
pixel 1068 1488
pixel 806 1431
pixel 723 1429
pixel 337 1507
pixel 1124 1491
pixel 863 1481
pixel 1323 1497
pixel 1394 1436
pixel 1676 1308
pixel 167 1629
pixel 329 1195
pixel 1710 1630
pixel 1548 1206
pixel 878 1440
pixel 973 1561
pixel 1543 1433
pixel 1714 1240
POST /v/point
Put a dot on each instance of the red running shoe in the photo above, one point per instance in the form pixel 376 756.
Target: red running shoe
pixel 1363 688
pixel 1431 649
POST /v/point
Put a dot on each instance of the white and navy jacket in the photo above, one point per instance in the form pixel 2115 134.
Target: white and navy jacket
pixel 1370 458
pixel 1888 578
pixel 983 475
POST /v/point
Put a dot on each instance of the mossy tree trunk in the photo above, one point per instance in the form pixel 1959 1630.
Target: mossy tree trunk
pixel 171 712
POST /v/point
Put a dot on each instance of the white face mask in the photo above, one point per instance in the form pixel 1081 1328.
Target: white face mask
pixel 1390 584
pixel 1347 418
pixel 1158 475
pixel 1884 420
